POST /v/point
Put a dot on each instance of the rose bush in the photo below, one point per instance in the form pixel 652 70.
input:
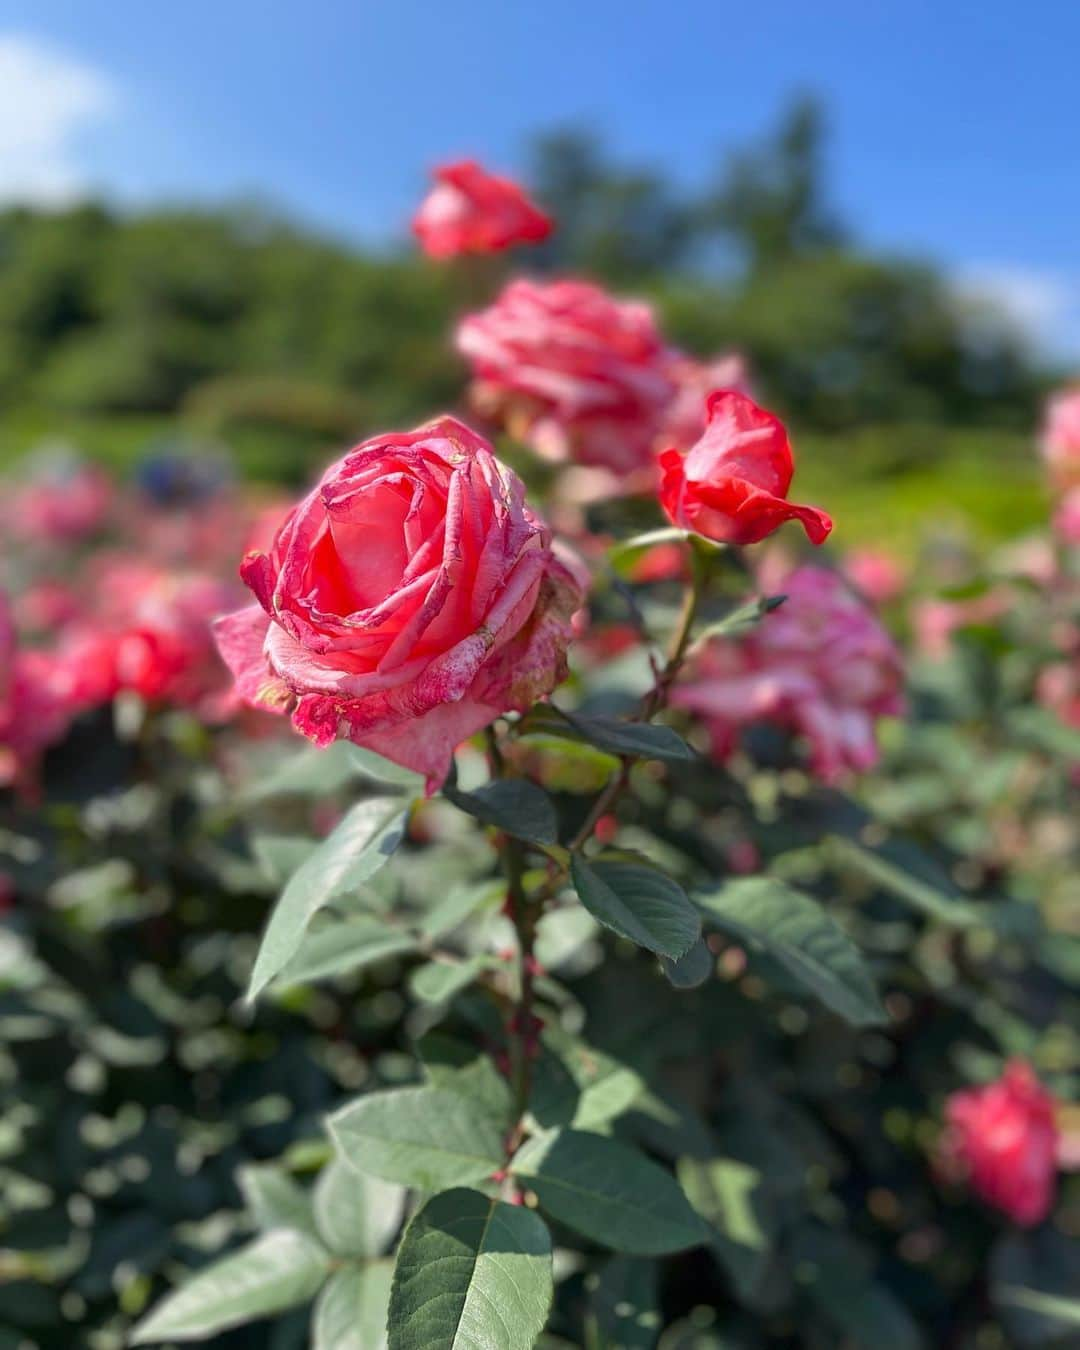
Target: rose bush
pixel 406 602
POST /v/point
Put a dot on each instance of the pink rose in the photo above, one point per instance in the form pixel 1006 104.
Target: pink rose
pixel 407 601
pixel 472 211
pixel 64 503
pixel 1067 517
pixel 34 712
pixel 1060 441
pixel 732 485
pixel 1005 1139
pixel 876 574
pixel 821 666
pixel 577 374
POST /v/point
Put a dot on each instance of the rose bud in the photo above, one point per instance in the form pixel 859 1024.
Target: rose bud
pixel 732 485
pixel 1004 1138
pixel 570 370
pixel 472 211
pixel 406 602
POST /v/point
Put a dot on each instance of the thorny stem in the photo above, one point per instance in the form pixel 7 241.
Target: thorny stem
pixel 656 699
pixel 524 911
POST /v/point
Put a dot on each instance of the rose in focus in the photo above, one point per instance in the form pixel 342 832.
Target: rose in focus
pixel 732 485
pixel 1004 1139
pixel 406 602
pixel 821 666
pixel 472 211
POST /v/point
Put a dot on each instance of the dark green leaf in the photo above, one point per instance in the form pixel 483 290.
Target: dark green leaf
pixel 513 805
pixel 471 1272
pixel 609 1192
pixel 796 931
pixel 692 969
pixel 645 740
pixel 637 903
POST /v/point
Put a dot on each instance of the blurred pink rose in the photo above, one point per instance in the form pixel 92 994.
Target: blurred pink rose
pixel 574 372
pixel 1004 1138
pixel 875 574
pixel 1060 442
pixel 1067 517
pixel 157 622
pixel 410 599
pixel 1058 689
pixel 34 713
pixel 935 621
pixel 821 666
pixel 694 381
pixel 62 504
pixel 732 485
pixel 472 211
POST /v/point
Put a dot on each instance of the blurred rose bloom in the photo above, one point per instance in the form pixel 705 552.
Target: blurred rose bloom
pixel 34 712
pixel 62 503
pixel 1058 689
pixel 1067 518
pixel 472 211
pixel 1060 440
pixel 410 599
pixel 821 666
pixel 1004 1139
pixel 936 621
pixel 572 371
pixel 876 574
pixel 732 485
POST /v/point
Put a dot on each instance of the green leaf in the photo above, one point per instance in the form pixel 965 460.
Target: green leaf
pixel 637 903
pixel 342 946
pixel 623 1303
pixel 429 1137
pixel 807 942
pixel 438 981
pixel 1045 731
pixel 608 1192
pixel 692 969
pixel 275 1272
pixel 645 740
pixel 513 805
pixel 575 1084
pixel 846 854
pixel 356 1215
pixel 740 619
pixel 307 773
pixel 471 1273
pixel 350 1313
pixel 665 534
pixel 279 855
pixel 459 904
pixel 274 1199
pixel 1057 1309
pixel 355 850
pixel 728 1194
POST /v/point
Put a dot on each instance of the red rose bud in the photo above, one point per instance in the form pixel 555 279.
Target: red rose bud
pixel 732 485
pixel 407 601
pixel 472 211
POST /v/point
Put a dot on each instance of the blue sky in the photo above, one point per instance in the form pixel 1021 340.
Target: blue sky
pixel 955 126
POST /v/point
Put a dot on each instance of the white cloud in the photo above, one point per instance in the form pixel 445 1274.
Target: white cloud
pixel 1043 304
pixel 48 98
